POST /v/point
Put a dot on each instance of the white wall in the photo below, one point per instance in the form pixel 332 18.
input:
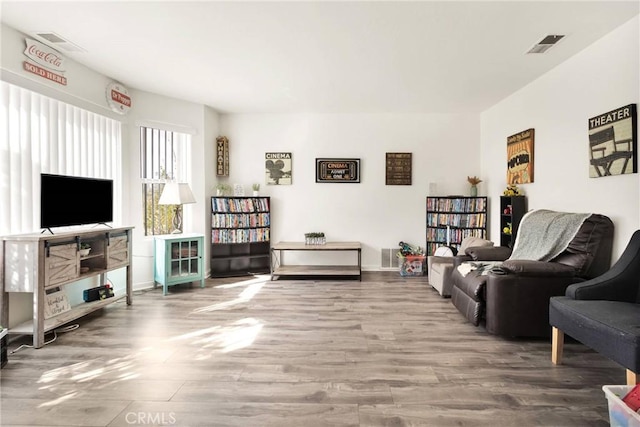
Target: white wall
pixel 558 105
pixel 445 150
pixel 175 115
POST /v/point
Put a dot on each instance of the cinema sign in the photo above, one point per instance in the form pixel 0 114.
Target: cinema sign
pixel 338 170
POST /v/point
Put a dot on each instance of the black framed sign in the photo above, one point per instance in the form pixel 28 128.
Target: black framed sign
pixel 338 170
pixel 613 142
pixel 398 169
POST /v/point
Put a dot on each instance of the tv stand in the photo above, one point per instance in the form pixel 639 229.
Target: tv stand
pixel 47 229
pixel 37 263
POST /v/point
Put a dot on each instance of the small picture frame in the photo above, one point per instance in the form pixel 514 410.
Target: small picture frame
pixel 238 190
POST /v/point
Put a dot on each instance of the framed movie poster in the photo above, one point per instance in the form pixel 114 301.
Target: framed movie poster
pixel 398 169
pixel 520 157
pixel 338 170
pixel 613 142
pixel 277 168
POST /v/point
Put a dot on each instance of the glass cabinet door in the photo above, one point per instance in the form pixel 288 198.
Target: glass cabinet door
pixel 184 258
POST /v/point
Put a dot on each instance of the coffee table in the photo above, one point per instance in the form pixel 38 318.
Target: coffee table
pixel 279 269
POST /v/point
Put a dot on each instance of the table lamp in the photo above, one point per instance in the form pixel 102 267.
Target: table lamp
pixel 177 194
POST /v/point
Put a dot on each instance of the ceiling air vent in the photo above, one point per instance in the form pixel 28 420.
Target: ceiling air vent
pixel 57 42
pixel 545 44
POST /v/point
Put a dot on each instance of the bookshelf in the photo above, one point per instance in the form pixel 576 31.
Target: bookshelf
pixel 512 209
pixel 240 236
pixel 457 216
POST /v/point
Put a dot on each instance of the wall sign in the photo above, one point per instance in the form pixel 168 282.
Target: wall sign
pixel 49 63
pixel 338 170
pixel 222 156
pixel 613 142
pixel 56 303
pixel 398 169
pixel 118 98
pixel 42 54
pixel 278 168
pixel 520 157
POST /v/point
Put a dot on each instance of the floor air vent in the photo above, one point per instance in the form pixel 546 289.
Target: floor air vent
pixel 389 258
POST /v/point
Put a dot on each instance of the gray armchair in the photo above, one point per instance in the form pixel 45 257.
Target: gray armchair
pixel 604 313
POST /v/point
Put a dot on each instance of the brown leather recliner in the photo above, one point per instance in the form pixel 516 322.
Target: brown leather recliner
pixel 513 301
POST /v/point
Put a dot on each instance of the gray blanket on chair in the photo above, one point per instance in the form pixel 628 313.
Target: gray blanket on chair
pixel 545 234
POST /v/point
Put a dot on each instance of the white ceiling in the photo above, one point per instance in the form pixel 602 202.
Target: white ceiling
pixel 364 57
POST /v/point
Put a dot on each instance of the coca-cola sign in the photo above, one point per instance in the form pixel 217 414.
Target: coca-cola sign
pixel 44 55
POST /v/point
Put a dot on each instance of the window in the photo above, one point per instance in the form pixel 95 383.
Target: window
pixel 164 157
pixel 43 135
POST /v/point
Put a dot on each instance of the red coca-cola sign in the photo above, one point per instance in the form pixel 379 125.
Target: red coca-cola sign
pixel 44 55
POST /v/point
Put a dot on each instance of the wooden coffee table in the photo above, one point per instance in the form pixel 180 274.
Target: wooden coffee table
pixel 279 269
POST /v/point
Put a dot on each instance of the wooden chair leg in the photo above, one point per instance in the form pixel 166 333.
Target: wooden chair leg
pixel 632 377
pixel 557 345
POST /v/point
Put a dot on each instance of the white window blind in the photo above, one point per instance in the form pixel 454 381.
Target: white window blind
pixel 38 135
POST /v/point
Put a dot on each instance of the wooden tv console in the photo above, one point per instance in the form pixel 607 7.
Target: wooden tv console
pixel 279 269
pixel 37 263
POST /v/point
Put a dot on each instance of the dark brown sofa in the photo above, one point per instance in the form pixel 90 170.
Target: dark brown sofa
pixel 513 300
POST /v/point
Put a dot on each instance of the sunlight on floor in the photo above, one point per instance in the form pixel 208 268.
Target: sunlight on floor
pixel 253 286
pixel 81 378
pixel 76 379
pixel 238 335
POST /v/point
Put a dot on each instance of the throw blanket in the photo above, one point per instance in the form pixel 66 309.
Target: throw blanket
pixel 545 234
pixel 542 236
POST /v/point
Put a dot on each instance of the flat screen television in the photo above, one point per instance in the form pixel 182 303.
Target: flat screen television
pixel 70 200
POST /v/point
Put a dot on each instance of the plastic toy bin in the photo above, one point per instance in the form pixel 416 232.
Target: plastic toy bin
pixel 413 265
pixel 620 415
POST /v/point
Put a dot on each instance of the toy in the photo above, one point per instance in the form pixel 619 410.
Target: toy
pixel 507 229
pixel 407 249
pixel 512 190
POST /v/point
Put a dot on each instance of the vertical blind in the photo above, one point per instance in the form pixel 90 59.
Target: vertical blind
pixel 38 135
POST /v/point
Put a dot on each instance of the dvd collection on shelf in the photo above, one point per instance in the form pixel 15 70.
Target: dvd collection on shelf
pixel 240 204
pixel 452 218
pixel 223 220
pixel 240 235
pixel 457 204
pixel 475 220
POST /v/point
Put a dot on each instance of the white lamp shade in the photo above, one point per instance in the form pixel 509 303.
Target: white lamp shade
pixel 175 193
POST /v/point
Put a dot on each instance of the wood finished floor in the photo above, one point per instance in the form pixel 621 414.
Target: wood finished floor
pixel 387 351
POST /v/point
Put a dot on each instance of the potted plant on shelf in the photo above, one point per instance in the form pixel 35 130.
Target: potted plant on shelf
pixel 474 181
pixel 85 248
pixel 222 189
pixel 256 188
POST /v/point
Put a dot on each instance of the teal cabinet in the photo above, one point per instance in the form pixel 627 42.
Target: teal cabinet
pixel 178 258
